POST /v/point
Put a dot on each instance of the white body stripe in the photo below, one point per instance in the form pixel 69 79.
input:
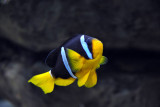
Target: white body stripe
pixel 50 73
pixel 85 47
pixel 64 58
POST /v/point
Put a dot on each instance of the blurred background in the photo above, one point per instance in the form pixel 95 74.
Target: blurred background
pixel 129 30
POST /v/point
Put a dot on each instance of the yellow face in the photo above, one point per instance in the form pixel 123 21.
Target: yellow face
pixel 97 48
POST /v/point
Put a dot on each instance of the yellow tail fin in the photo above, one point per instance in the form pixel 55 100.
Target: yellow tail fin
pixel 45 81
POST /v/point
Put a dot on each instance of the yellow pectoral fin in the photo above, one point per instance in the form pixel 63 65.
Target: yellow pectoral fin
pixel 92 79
pixel 98 66
pixel 103 60
pixel 75 60
pixel 64 82
pixel 83 78
pixel 45 81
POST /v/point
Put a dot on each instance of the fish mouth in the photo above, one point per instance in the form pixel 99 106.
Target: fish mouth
pixel 97 47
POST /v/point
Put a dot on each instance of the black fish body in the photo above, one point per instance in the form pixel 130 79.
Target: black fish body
pixel 59 69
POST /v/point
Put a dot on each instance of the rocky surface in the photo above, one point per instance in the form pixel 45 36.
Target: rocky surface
pixel 5 103
pixel 40 25
pixel 130 33
pixel 129 79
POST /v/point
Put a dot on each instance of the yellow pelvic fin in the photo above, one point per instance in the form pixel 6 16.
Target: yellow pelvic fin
pixel 92 79
pixel 82 77
pixel 103 60
pixel 64 82
pixel 45 81
pixel 76 61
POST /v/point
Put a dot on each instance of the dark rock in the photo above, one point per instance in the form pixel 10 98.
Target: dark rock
pixel 119 85
pixel 5 103
pixel 42 25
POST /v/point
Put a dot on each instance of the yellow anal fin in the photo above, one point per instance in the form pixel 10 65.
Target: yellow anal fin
pixel 103 60
pixel 92 79
pixel 82 77
pixel 76 61
pixel 45 81
pixel 64 82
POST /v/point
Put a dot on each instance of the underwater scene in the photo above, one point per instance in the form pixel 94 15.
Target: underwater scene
pixel 86 53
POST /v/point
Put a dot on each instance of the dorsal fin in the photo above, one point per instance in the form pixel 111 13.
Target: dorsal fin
pixel 51 59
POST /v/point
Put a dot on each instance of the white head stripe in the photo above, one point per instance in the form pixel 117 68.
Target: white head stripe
pixel 85 47
pixel 64 58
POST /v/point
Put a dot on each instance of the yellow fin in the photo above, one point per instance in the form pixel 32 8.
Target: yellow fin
pixel 82 77
pixel 75 60
pixel 103 60
pixel 45 81
pixel 64 82
pixel 98 66
pixel 92 79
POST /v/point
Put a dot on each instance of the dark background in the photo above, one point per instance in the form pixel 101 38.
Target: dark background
pixel 129 30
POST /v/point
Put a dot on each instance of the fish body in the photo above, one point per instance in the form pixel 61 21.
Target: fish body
pixel 78 58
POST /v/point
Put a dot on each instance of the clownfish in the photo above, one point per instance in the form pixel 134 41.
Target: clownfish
pixel 78 58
